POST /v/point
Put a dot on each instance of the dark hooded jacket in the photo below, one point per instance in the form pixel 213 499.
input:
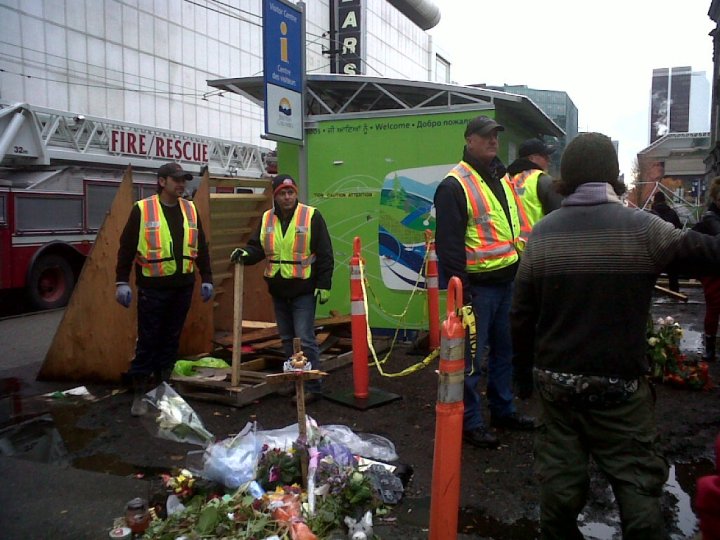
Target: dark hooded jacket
pixel 663 210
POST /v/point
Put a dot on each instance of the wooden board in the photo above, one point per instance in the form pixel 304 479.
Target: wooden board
pixel 235 216
pixel 95 340
pixel 270 332
pixel 198 331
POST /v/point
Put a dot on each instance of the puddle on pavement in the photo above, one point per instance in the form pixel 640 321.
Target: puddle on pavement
pixel 44 430
pixel 679 490
pixel 691 341
pixel 680 487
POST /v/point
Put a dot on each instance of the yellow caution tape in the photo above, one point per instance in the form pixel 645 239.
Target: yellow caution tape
pixel 378 363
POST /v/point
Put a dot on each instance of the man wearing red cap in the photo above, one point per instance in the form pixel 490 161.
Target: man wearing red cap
pixel 293 240
pixel 164 238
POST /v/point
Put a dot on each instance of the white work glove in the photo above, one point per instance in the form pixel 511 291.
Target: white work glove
pixel 123 294
pixel 206 291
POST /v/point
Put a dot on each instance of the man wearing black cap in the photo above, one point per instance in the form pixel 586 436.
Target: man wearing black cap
pixel 478 240
pixel 164 238
pixel 293 240
pixel 579 316
pixel 536 189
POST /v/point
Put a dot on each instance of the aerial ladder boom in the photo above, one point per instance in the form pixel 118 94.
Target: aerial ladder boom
pixel 33 136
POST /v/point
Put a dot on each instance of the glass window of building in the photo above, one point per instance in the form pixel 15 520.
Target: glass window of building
pixel 442 69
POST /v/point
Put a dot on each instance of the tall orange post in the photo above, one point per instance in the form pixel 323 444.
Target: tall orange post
pixel 445 489
pixel 358 326
pixel 433 293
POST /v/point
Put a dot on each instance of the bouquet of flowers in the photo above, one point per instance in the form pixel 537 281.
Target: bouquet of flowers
pixel 667 363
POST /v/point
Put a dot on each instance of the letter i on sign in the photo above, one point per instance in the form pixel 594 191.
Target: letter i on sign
pixel 283 43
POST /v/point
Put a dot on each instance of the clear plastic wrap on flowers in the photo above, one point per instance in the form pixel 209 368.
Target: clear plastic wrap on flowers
pixel 174 419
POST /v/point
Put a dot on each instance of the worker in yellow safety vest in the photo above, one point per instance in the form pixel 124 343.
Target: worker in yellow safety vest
pixel 294 242
pixel 478 240
pixel 536 188
pixel 164 239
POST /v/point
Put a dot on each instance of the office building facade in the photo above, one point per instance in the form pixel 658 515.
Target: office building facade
pixel 148 61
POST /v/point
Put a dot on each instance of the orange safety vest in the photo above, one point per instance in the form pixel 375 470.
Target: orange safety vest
pixel 491 242
pixel 154 249
pixel 288 252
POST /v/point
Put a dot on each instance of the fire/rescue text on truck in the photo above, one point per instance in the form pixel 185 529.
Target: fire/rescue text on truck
pixel 157 146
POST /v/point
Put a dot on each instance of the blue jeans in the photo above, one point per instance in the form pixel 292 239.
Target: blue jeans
pixel 295 317
pixel 161 317
pixel 491 305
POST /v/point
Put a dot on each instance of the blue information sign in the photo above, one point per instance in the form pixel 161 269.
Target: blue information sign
pixel 283 69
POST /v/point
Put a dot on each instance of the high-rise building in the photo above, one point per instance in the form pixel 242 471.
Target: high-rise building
pixel 679 102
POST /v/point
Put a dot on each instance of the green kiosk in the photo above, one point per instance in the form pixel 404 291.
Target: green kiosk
pixel 375 151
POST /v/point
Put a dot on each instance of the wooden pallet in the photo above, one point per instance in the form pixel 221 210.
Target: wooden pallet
pixel 214 384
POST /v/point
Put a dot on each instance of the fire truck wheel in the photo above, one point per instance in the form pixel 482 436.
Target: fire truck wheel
pixel 51 282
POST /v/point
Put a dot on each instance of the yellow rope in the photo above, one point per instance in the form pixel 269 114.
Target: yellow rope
pixel 378 363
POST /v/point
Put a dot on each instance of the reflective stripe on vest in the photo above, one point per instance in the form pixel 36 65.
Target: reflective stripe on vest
pixel 491 242
pixel 155 243
pixel 526 184
pixel 288 252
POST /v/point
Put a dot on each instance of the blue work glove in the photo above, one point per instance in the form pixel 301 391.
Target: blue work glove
pixel 238 256
pixel 123 294
pixel 206 290
pixel 323 295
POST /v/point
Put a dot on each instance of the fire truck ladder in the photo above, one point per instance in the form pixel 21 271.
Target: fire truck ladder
pixel 33 136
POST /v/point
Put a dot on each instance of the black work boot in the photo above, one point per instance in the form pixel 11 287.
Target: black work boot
pixel 139 405
pixel 163 375
pixel 709 355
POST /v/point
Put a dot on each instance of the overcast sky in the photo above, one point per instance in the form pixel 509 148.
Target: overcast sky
pixel 601 53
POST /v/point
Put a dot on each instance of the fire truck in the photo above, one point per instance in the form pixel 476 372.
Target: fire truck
pixel 59 172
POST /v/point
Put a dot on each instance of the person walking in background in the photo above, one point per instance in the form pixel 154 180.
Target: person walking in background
pixel 536 188
pixel 477 237
pixel 661 208
pixel 294 242
pixel 710 224
pixel 579 314
pixel 164 238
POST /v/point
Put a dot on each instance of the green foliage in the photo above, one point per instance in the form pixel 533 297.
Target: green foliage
pixel 277 468
pixel 349 493
pixel 663 339
pixel 223 519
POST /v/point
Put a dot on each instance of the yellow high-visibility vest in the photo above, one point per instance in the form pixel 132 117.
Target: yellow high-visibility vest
pixel 491 242
pixel 526 186
pixel 155 246
pixel 288 252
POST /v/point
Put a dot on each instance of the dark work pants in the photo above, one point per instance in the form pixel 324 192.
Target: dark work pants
pixel 623 442
pixel 161 316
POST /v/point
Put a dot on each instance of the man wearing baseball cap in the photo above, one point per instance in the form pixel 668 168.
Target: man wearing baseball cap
pixel 164 239
pixel 477 234
pixel 536 188
pixel 294 242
